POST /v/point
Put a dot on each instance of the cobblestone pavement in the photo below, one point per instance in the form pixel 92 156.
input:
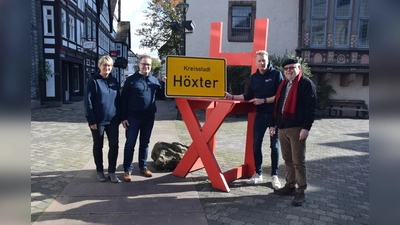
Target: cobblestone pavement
pixel 337 160
pixel 338 177
pixel 60 147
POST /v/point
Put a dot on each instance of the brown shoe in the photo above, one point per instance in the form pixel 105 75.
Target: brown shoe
pixel 146 172
pixel 127 176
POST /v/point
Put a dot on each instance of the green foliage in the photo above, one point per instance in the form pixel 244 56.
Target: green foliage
pixel 237 75
pixel 157 33
pixel 155 65
pixel 324 93
pixel 278 60
pixel 45 70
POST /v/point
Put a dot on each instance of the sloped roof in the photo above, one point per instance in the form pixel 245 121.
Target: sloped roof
pixel 123 32
pixel 113 3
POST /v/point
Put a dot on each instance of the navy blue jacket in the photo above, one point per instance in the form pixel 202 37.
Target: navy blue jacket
pixel 264 86
pixel 102 100
pixel 138 96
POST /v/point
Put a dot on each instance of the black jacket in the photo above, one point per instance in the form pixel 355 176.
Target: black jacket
pixel 102 100
pixel 138 96
pixel 306 106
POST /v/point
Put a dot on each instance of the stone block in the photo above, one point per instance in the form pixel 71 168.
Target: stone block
pixel 166 156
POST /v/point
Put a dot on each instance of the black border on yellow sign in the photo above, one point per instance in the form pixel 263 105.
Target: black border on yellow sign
pixel 220 94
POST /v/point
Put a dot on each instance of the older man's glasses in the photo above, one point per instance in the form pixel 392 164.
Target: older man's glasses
pixel 145 64
pixel 289 68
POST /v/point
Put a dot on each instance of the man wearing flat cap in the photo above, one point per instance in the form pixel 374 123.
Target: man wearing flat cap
pixel 294 113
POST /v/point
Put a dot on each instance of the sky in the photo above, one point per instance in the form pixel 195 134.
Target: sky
pixel 132 10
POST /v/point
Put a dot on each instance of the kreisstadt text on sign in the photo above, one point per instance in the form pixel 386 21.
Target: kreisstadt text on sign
pixel 195 77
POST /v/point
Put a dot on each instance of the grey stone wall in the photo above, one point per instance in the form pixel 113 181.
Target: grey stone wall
pixel 36 47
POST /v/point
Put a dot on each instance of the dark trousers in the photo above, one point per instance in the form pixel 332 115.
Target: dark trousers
pixel 260 127
pixel 294 154
pixel 98 141
pixel 143 126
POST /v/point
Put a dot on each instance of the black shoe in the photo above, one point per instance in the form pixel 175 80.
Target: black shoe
pixel 101 177
pixel 113 178
pixel 299 199
pixel 285 191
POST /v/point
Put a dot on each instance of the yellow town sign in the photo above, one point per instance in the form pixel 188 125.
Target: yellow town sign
pixel 195 77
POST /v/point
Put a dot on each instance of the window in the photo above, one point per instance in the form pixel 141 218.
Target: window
pixel 104 16
pixel 342 23
pixel 241 21
pixel 363 25
pixel 89 28
pixel 319 16
pixel 71 28
pixel 83 30
pixel 92 5
pixel 94 37
pixel 79 31
pixel 75 79
pixel 48 21
pixel 81 5
pixel 63 23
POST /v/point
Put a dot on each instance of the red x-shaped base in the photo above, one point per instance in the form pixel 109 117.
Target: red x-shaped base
pixel 201 152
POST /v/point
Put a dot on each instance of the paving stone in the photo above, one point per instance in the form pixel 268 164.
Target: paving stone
pixel 337 162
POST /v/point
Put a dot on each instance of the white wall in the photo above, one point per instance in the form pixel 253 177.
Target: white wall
pixel 282 33
pixel 354 90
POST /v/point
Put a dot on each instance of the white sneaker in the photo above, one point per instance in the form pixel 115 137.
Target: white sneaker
pixel 256 178
pixel 275 182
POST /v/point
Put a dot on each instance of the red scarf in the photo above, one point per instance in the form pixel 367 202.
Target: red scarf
pixel 290 104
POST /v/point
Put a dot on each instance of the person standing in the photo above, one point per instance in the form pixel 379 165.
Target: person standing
pixel 102 104
pixel 295 111
pixel 138 108
pixel 261 91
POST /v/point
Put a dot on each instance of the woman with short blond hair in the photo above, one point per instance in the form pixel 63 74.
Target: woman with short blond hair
pixel 102 104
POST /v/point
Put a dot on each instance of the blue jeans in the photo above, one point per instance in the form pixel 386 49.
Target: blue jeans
pixel 98 141
pixel 260 127
pixel 144 126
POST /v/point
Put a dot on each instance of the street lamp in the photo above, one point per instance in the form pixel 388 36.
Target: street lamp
pixel 183 7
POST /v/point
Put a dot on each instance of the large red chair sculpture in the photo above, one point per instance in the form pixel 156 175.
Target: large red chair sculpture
pixel 201 152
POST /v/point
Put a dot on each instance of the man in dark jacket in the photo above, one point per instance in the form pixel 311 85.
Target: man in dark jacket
pixel 138 108
pixel 294 113
pixel 102 104
pixel 262 89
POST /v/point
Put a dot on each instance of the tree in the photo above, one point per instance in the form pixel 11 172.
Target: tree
pixel 156 31
pixel 278 60
pixel 155 65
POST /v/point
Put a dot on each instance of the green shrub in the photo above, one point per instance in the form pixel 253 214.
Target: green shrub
pixel 324 93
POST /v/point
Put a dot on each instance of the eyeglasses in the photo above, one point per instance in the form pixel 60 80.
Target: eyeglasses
pixel 145 64
pixel 289 68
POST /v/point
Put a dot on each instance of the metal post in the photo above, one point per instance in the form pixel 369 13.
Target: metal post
pixel 183 33
pixel 183 43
